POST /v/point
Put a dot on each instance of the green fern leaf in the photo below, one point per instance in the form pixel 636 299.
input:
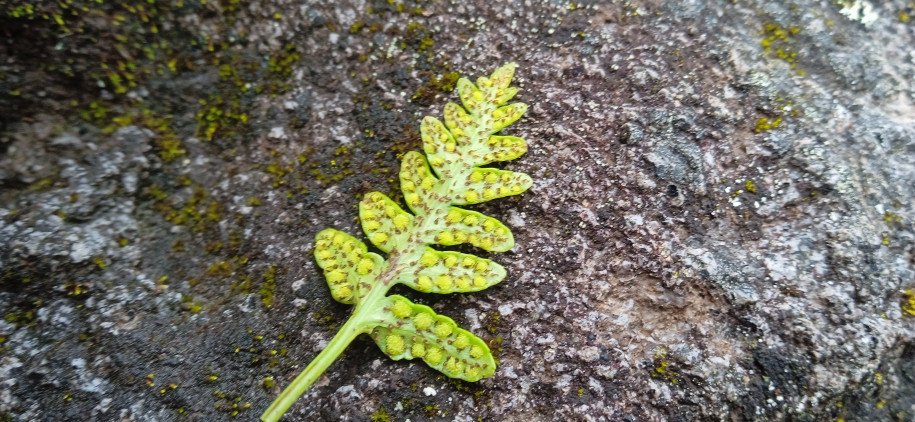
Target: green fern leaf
pixel 433 185
pixel 410 331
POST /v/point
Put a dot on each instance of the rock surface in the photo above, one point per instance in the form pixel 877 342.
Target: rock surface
pixel 720 226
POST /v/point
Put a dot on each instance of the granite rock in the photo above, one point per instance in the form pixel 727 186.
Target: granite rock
pixel 720 225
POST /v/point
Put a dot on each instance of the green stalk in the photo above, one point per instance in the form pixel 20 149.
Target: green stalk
pixel 363 319
pixel 353 327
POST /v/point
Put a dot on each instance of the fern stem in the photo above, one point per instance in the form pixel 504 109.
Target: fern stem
pixel 353 327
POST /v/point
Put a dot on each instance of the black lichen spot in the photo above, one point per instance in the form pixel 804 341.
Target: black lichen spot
pixel 672 191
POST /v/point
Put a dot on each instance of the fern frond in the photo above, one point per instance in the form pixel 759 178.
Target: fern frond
pixel 433 186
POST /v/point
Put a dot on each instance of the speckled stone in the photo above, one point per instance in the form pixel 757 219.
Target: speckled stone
pixel 720 226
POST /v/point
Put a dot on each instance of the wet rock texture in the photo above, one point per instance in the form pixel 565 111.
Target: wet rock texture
pixel 720 226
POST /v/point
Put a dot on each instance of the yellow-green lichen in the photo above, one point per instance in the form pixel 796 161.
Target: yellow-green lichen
pixel 188 304
pixel 381 415
pixel 778 41
pixel 750 186
pixel 76 288
pixel 908 306
pixel 268 382
pixel 663 370
pixel 442 83
pixel 269 285
pixel 220 269
pixel 765 123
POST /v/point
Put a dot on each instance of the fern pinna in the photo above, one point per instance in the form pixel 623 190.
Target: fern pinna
pixel 433 186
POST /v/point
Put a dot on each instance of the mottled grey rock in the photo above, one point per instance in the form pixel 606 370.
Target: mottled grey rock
pixel 720 226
